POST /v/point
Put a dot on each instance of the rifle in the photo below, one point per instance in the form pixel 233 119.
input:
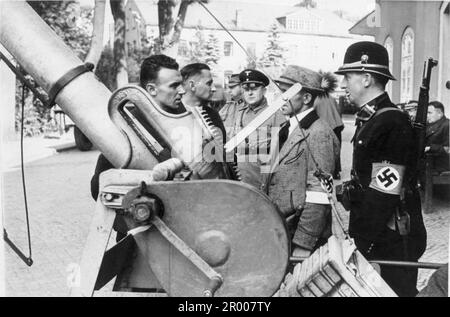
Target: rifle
pixel 422 108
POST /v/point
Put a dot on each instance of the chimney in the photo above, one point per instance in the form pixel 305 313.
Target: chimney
pixel 238 20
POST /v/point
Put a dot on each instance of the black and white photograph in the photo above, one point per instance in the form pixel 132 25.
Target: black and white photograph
pixel 247 150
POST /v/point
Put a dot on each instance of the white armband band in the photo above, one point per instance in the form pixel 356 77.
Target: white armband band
pixel 387 178
pixel 317 198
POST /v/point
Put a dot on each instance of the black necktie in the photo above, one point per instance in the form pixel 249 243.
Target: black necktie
pixel 283 134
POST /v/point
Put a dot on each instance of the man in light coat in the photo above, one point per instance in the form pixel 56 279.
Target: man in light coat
pixel 307 145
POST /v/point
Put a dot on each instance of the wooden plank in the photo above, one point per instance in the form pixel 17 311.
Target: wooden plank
pixel 83 281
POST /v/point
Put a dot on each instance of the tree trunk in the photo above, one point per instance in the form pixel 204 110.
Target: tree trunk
pixel 166 23
pixel 95 51
pixel 169 28
pixel 172 48
pixel 120 60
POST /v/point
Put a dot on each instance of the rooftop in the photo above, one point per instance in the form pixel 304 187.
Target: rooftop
pixel 247 16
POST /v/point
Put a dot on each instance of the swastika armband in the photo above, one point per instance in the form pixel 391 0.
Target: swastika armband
pixel 387 178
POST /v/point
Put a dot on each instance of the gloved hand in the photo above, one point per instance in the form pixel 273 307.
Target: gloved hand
pixel 166 170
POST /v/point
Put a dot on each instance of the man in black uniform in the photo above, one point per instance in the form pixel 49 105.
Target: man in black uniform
pixel 385 213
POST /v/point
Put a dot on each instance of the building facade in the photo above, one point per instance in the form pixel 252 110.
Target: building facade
pixel 312 38
pixel 412 31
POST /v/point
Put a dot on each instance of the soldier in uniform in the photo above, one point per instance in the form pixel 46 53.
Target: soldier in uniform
pixel 234 88
pixel 385 211
pixel 235 92
pixel 251 156
pixel 307 144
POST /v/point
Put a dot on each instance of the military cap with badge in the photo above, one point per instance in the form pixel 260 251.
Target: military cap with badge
pixel 368 57
pixel 251 78
pixel 234 81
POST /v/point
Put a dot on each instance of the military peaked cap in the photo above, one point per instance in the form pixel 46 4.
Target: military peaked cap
pixel 249 76
pixel 234 80
pixel 368 57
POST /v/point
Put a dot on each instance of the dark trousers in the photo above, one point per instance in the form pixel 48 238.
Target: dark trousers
pixel 402 280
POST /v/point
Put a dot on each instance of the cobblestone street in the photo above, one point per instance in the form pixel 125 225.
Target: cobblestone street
pixel 61 209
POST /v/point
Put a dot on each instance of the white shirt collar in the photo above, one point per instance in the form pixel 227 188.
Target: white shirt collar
pixel 293 122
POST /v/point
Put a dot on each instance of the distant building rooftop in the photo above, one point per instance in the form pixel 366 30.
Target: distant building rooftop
pixel 362 27
pixel 245 16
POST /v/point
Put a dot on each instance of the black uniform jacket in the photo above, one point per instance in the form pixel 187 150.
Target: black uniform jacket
pixel 386 138
pixel 437 138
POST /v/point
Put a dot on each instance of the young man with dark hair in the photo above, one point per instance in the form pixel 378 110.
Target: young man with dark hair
pixel 162 80
pixel 234 88
pixel 199 87
pixel 385 213
pixel 198 84
pixel 235 92
pixel 437 136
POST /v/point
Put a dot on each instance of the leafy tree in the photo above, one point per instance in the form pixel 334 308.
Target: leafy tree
pixel 273 55
pixel 211 54
pixel 105 71
pixel 136 57
pixel 73 25
pixel 205 50
pixel 196 50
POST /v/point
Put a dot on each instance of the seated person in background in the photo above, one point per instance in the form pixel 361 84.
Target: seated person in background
pixel 437 136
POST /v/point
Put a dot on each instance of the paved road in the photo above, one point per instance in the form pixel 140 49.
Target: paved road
pixel 61 210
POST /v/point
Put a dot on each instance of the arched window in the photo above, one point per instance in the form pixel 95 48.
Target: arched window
pixel 407 70
pixel 389 45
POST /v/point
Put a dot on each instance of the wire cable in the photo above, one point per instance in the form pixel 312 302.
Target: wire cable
pixel 251 57
pixel 22 166
pixel 28 260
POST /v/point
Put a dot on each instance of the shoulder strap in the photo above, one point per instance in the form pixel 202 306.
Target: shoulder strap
pixel 383 110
